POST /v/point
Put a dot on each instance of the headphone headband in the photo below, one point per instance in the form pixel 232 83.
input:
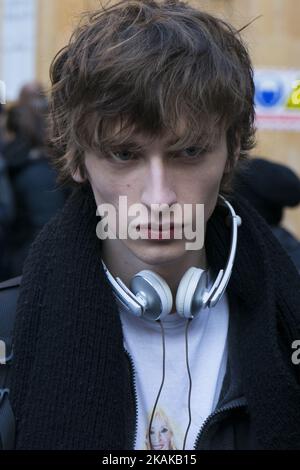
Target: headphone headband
pixel 220 284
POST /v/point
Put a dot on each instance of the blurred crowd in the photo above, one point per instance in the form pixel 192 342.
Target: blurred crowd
pixel 271 187
pixel 29 194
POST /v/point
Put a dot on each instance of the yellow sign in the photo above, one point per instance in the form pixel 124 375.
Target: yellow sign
pixel 293 101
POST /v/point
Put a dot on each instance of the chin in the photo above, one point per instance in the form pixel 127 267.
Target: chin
pixel 158 253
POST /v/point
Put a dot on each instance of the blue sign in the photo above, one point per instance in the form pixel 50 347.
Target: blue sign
pixel 269 91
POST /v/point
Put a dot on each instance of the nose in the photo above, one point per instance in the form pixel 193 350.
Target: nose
pixel 155 438
pixel 158 186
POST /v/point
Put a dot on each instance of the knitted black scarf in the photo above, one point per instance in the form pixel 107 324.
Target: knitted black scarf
pixel 71 387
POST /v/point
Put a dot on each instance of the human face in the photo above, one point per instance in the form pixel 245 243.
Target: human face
pixel 150 175
pixel 160 435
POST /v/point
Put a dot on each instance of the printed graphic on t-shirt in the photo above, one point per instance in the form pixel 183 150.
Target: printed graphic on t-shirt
pixel 164 433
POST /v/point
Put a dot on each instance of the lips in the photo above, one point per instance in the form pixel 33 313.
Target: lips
pixel 160 227
pixel 158 447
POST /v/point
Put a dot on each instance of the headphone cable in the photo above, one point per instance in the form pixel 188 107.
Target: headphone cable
pixel 162 382
pixel 163 379
pixel 190 380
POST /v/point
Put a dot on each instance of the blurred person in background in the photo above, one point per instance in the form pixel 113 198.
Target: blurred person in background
pixel 271 187
pixel 6 204
pixel 33 179
pixel 2 126
pixel 33 94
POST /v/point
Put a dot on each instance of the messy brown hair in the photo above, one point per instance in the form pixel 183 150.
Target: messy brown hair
pixel 149 64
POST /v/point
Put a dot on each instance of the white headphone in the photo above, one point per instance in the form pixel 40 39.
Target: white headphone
pixel 150 296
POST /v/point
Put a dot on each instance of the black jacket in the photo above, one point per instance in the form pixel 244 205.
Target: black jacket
pixel 72 384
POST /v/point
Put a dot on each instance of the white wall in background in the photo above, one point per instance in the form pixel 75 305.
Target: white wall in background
pixel 18 44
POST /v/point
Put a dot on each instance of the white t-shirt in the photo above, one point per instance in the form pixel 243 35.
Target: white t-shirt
pixel 207 346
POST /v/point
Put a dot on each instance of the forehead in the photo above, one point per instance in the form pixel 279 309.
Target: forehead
pixel 160 421
pixel 118 133
pixel 139 135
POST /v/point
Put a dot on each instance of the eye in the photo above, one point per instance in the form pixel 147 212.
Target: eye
pixel 193 151
pixel 122 155
pixel 191 154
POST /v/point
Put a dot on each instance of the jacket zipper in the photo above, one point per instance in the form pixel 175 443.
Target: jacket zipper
pixel 133 385
pixel 237 403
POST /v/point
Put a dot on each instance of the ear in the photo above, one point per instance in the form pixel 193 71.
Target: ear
pixel 77 175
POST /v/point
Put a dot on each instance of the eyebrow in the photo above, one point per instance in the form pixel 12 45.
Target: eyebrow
pixel 135 141
pixel 134 144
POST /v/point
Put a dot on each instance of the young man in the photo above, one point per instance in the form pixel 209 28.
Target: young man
pixel 153 101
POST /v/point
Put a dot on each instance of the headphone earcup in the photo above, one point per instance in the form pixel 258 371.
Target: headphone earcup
pixel 152 287
pixel 190 291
